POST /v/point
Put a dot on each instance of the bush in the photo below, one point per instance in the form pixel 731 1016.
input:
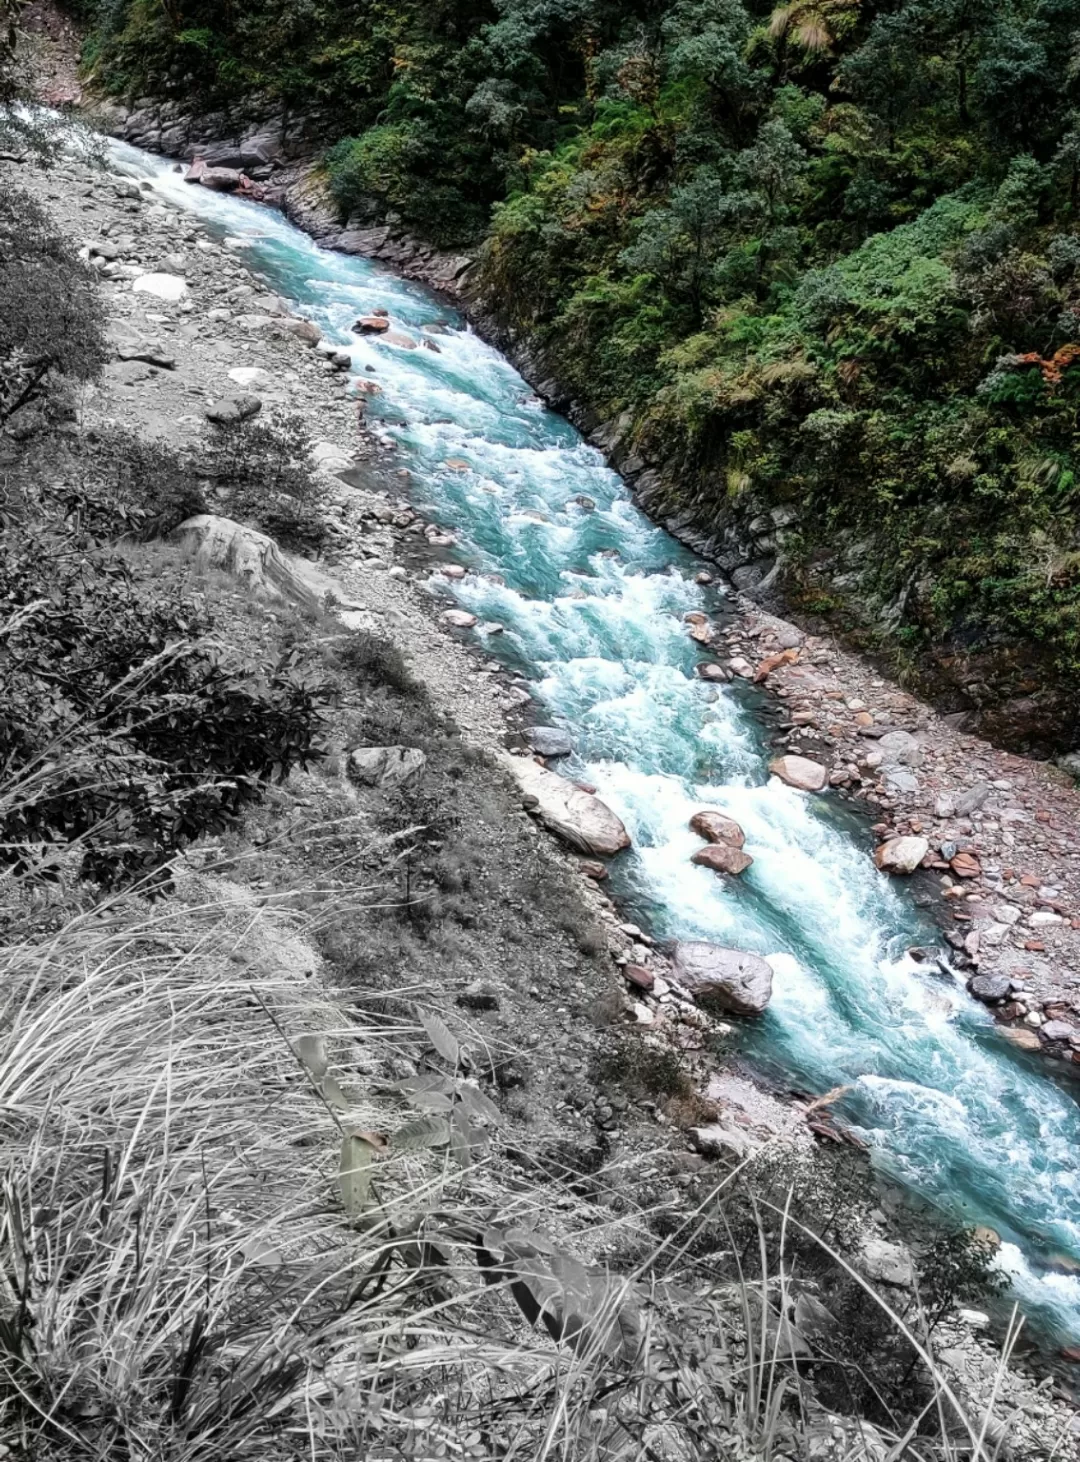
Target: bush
pixel 263 469
pixel 121 735
pixel 51 318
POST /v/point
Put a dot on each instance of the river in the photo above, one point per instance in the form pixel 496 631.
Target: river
pixel 592 603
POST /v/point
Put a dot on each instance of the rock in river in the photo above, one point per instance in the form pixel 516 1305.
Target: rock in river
pixel 550 741
pixel 990 988
pixel 717 827
pixel 577 817
pixel 800 772
pixel 901 855
pixel 726 979
pixel 722 858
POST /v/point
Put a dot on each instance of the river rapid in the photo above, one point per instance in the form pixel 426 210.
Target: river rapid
pixel 593 602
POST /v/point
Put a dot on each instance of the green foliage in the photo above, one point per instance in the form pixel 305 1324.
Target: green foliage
pixel 814 252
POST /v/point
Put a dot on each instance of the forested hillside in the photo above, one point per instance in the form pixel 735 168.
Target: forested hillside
pixel 825 255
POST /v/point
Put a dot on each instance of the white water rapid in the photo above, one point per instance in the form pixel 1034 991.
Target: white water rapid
pixel 947 1107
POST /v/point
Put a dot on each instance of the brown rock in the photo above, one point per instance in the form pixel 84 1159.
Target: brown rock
pixel 800 772
pixel 717 827
pixel 965 865
pixel 722 858
pixel 1021 1036
pixel 638 975
pixel 773 662
pixel 374 324
pixel 594 870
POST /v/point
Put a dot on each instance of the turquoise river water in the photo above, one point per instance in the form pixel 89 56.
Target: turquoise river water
pixel 948 1109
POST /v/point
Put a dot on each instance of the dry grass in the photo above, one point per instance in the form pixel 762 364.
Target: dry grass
pixel 180 1278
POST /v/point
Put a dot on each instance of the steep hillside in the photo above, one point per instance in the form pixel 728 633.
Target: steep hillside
pixel 816 265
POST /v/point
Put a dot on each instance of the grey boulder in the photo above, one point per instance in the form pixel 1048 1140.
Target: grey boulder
pixel 549 741
pixel 730 980
pixel 382 766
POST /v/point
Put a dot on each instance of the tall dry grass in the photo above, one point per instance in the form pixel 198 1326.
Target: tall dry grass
pixel 223 1237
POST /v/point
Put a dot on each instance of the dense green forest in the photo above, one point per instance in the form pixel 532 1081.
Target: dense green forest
pixel 824 255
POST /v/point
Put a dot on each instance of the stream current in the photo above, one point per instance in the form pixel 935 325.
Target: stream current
pixel 949 1111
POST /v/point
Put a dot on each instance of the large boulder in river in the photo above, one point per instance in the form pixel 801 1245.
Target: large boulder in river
pixel 717 827
pixel 799 772
pixel 901 855
pixel 726 979
pixel 221 180
pixel 576 816
pixel 722 858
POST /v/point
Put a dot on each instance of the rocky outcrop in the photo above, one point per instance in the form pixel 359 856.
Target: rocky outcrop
pixel 219 543
pixel 730 980
pixel 385 766
pixel 576 816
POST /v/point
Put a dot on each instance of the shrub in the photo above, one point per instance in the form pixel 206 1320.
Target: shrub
pixel 122 735
pixel 263 469
pixel 51 319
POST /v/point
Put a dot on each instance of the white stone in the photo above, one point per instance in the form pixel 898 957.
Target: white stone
pixel 161 286
pixel 249 376
pixel 901 855
pixel 1006 913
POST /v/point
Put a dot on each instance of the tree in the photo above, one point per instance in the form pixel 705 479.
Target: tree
pixel 50 315
pixel 680 244
pixel 889 72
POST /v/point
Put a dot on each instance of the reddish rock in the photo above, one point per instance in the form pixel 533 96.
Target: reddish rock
pixel 965 865
pixel 1035 946
pixel 594 870
pixel 722 858
pixel 374 324
pixel 638 975
pixel 717 827
pixel 773 662
pixel 1030 881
